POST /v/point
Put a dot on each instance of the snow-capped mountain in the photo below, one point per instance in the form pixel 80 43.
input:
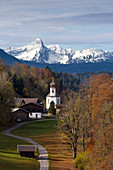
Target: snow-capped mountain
pixel 38 52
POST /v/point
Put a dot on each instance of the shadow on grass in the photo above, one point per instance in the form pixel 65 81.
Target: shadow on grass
pixel 41 158
pixel 55 159
pixel 9 152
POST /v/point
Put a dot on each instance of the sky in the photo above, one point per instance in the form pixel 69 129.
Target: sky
pixel 75 24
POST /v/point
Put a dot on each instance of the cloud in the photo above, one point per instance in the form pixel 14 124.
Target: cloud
pixel 78 39
pixel 55 21
pixel 98 18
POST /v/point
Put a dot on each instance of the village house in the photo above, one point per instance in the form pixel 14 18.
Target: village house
pixel 20 114
pixel 29 108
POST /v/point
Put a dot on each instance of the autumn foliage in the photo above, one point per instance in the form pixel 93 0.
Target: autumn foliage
pixel 88 118
pixel 101 108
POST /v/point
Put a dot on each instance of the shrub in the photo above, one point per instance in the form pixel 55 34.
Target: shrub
pixel 82 161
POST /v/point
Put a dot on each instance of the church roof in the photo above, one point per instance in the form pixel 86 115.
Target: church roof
pixel 52 83
pixel 57 95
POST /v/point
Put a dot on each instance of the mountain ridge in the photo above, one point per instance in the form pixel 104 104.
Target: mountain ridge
pixel 53 54
pixel 64 68
pixel 7 58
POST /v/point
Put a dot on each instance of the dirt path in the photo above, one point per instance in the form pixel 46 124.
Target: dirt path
pixel 43 155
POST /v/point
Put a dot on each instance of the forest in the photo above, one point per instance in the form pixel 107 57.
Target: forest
pixel 86 123
pixel 86 75
pixel 21 80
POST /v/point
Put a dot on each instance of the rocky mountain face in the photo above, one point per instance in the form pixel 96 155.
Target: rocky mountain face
pixel 37 52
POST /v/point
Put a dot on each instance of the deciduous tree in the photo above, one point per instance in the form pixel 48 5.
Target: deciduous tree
pixel 6 98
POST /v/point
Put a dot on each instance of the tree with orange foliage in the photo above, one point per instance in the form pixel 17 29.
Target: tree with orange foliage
pixel 101 98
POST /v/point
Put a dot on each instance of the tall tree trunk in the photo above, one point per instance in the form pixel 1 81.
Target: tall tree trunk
pixel 90 124
pixel 83 139
pixel 74 152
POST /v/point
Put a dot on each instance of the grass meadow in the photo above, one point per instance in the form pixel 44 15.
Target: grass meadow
pixel 46 133
pixel 9 157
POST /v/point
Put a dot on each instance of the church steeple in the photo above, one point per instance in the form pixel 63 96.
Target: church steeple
pixel 52 96
pixel 52 88
pixel 52 84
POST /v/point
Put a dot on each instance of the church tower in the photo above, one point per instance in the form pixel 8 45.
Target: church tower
pixel 52 89
pixel 52 96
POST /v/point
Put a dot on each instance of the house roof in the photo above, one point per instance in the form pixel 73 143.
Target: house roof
pixel 37 104
pixel 57 95
pixel 21 110
pixel 27 100
pixel 28 148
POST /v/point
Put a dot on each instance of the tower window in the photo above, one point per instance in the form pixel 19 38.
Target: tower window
pixel 52 91
pixel 48 100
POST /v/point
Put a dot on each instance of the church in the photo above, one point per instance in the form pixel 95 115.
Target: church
pixel 52 96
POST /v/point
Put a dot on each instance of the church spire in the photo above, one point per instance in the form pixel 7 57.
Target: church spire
pixel 52 84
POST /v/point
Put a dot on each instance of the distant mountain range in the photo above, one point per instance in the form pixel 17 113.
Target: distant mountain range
pixel 59 59
pixel 36 51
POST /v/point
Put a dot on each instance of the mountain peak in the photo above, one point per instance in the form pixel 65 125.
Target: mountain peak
pixel 36 51
pixel 37 41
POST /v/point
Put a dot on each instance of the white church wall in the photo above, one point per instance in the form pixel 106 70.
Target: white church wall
pixel 56 100
pixel 52 91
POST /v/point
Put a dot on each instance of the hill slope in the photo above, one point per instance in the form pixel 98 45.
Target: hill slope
pixel 7 58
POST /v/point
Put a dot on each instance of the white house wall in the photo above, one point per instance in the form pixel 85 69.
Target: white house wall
pixel 35 115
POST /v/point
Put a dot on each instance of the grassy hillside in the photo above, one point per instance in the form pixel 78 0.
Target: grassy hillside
pixel 46 133
pixel 9 157
pixel 36 128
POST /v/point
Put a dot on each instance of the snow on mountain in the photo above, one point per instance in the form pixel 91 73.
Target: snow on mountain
pixel 29 52
pixel 90 55
pixel 57 49
pixel 38 52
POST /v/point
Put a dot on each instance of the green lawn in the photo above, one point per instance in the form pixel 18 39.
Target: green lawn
pixel 36 128
pixel 9 158
pixel 45 132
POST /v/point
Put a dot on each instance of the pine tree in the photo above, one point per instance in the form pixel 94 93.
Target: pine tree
pixel 52 108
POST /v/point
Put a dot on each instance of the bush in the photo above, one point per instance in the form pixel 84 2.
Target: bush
pixel 82 161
